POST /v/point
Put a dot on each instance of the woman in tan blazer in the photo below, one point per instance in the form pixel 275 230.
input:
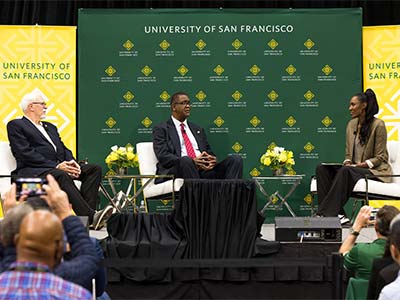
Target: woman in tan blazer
pixel 366 153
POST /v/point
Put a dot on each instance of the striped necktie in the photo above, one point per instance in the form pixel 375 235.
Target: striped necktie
pixel 189 147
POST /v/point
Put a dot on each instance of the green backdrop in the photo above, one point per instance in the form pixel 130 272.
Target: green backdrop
pixel 255 77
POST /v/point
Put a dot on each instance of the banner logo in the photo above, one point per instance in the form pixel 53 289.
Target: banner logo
pixel 309 95
pixel 273 95
pixel 237 96
pixel 308 199
pixel 219 121
pixel 201 96
pixel 111 122
pixel 291 121
pixel 146 122
pixel 273 44
pixel 183 70
pixel 237 44
pixel 110 71
pixel 146 70
pixel 255 172
pixel 309 44
pixel 326 121
pixel 255 77
pixel 164 96
pixel 237 147
pixel 128 96
pixel 309 148
pixel 255 121
pixel 201 44
pixel 219 70
pixel 327 70
pixel 291 77
pixel 255 70
pixel 164 45
pixel 327 128
pixel 291 70
pixel 128 45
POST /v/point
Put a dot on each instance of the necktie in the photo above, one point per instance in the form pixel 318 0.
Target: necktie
pixel 188 144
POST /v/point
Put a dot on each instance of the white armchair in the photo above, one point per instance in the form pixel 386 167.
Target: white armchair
pixel 7 164
pixel 367 188
pixel 148 166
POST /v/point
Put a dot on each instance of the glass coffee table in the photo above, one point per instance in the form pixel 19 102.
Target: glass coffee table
pixel 292 180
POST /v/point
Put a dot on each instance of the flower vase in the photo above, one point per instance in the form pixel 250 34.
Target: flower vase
pixel 122 171
pixel 278 172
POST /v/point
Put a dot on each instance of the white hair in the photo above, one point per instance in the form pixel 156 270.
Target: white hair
pixel 35 95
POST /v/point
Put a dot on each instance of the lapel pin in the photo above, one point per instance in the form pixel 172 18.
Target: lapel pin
pixel 198 132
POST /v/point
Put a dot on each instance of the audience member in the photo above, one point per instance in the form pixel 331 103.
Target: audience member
pixel 392 290
pixel 81 262
pixel 375 286
pixel 39 245
pixel 366 153
pixel 182 148
pixel 358 258
pixel 39 150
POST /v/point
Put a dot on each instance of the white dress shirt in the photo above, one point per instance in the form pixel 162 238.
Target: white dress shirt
pixel 189 134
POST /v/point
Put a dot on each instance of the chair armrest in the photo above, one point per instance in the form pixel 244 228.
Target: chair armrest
pixel 372 176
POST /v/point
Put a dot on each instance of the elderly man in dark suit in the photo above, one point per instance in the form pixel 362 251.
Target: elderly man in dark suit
pixel 39 151
pixel 182 148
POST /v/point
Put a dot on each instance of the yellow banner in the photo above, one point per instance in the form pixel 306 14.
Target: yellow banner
pixel 381 61
pixel 39 57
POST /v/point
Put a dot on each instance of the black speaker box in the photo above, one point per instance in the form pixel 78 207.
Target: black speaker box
pixel 307 229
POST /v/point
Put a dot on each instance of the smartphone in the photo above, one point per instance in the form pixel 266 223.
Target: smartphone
pixel 30 186
pixel 373 214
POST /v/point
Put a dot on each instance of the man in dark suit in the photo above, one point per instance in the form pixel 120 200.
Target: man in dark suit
pixel 182 148
pixel 39 151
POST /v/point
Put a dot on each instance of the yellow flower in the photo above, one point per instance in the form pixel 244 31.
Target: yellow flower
pixel 283 157
pixel 114 156
pixel 290 154
pixel 267 161
pixel 291 161
pixel 130 156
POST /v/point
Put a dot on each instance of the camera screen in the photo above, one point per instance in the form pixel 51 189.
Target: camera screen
pixel 30 186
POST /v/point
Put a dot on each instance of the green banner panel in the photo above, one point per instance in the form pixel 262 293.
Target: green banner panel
pixel 255 78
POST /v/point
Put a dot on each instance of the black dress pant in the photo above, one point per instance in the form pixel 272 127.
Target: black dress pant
pixel 84 201
pixel 335 184
pixel 229 168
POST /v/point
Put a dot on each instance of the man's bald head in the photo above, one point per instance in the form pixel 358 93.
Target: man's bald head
pixel 40 238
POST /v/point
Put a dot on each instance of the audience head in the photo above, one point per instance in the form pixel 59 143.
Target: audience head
pixel 12 221
pixel 384 216
pixel 395 239
pixel 40 239
pixel 180 106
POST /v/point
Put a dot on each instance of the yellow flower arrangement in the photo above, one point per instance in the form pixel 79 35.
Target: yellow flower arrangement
pixel 122 157
pixel 278 158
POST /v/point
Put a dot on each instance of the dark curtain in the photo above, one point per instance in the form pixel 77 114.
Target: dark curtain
pixel 58 12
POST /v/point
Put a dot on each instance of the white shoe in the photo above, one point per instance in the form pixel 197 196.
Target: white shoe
pixel 343 219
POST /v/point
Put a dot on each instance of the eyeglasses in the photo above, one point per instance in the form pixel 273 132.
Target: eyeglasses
pixel 41 103
pixel 183 103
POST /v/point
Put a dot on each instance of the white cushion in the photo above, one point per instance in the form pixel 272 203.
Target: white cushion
pixel 378 187
pixel 148 166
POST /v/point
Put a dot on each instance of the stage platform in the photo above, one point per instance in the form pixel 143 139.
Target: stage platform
pixel 216 247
